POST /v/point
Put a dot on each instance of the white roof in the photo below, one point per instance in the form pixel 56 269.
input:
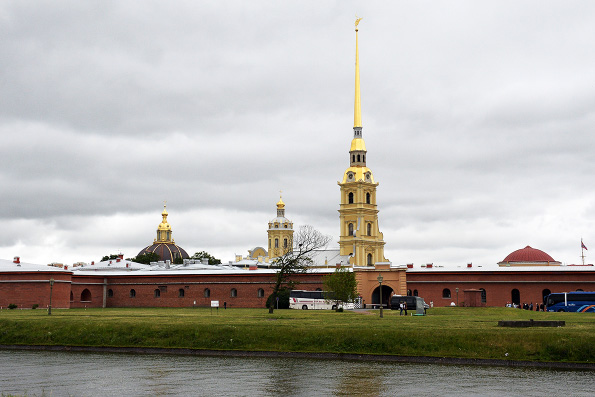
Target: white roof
pixel 246 262
pixel 320 258
pixel 329 258
pixel 10 266
pixel 495 268
pixel 111 265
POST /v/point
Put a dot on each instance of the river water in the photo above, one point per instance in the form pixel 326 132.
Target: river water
pixel 37 373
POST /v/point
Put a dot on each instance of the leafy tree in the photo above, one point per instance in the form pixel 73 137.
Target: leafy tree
pixel 146 258
pixel 205 255
pixel 341 286
pixel 178 260
pixel 305 241
pixel 283 295
pixel 109 257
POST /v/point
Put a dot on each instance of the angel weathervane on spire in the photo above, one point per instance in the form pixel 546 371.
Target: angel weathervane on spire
pixel 357 19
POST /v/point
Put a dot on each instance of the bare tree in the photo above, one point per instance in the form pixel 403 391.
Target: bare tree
pixel 305 242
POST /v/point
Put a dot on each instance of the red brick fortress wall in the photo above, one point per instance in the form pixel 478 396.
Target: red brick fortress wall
pixel 193 287
pixel 26 289
pixel 78 290
pixel 497 284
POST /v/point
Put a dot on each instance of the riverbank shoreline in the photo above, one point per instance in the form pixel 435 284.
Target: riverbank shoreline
pixel 308 355
pixel 458 336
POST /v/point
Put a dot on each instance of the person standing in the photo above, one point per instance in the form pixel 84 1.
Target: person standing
pixel 401 309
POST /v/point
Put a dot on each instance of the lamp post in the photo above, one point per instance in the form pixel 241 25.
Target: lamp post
pixel 380 279
pixel 457 289
pixel 51 290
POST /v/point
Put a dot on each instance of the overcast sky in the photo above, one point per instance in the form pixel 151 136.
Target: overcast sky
pixel 478 118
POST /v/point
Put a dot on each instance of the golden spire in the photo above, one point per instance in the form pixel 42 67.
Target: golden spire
pixel 357 116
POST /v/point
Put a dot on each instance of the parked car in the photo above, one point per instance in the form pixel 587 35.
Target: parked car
pixel 412 302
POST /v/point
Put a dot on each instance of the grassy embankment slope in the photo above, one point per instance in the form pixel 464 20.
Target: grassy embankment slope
pixel 444 332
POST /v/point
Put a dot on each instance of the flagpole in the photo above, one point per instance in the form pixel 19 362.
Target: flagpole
pixel 583 251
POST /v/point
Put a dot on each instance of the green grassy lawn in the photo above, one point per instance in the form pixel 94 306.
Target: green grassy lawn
pixel 444 332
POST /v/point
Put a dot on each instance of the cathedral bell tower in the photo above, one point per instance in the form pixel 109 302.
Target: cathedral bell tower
pixel 280 233
pixel 360 236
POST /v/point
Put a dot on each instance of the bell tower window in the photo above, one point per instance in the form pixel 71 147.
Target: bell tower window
pixel 350 227
pixel 369 229
pixel 367 198
pixel 369 259
pixel 276 243
pixel 351 198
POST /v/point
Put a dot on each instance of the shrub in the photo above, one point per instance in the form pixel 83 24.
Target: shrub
pixel 12 306
pixel 340 310
pixel 283 299
pixel 35 306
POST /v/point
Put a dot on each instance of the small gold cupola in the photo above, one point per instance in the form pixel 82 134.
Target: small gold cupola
pixel 164 229
pixel 280 207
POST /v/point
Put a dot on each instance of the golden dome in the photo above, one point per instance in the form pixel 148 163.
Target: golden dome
pixel 358 144
pixel 280 203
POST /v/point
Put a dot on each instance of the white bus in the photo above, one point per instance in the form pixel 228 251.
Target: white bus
pixel 305 300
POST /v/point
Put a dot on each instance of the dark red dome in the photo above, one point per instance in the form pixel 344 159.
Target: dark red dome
pixel 528 254
pixel 166 251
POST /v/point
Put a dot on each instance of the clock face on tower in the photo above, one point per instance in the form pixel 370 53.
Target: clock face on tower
pixel 350 176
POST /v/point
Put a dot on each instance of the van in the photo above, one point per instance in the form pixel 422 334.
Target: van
pixel 413 303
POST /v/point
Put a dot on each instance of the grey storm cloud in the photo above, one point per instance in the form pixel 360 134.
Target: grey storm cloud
pixel 477 119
